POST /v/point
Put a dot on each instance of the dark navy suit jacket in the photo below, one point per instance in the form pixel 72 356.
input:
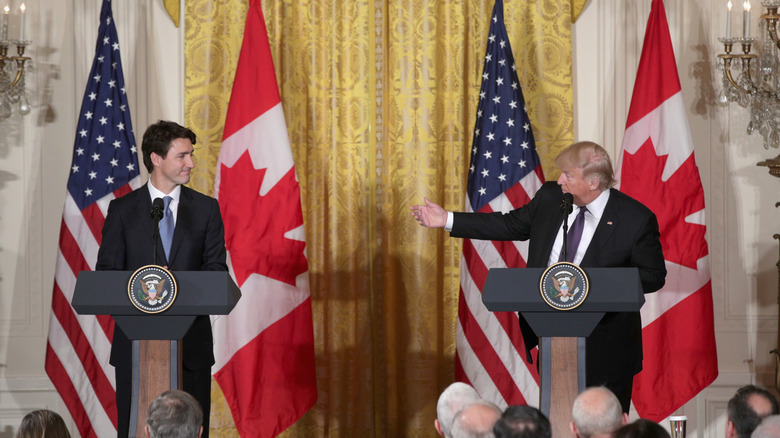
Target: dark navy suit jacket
pixel 198 245
pixel 627 236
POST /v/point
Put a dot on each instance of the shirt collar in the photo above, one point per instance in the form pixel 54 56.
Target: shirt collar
pixel 155 193
pixel 597 206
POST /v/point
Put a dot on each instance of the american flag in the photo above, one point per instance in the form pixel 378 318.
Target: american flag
pixel 505 173
pixel 105 166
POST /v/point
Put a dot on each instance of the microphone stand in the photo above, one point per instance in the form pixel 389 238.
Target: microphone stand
pixel 156 238
pixel 565 234
pixel 566 209
pixel 157 215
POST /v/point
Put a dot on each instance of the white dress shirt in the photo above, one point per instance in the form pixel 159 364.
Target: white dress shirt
pixel 175 194
pixel 592 218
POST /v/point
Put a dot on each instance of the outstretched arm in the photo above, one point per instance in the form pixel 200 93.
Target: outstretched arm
pixel 430 215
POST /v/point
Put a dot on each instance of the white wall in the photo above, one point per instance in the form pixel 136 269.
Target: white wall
pixel 740 196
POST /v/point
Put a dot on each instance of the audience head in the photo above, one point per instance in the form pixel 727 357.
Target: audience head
pixel 40 423
pixel 174 414
pixel 476 420
pixel 522 422
pixel 769 428
pixel 642 428
pixel 746 409
pixel 596 413
pixel 452 400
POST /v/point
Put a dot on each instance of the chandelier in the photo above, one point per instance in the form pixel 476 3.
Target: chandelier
pixel 13 69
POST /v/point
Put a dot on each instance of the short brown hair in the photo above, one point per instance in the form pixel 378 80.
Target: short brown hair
pixel 592 159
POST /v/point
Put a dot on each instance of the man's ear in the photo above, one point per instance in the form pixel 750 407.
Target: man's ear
pixel 624 419
pixel 731 431
pixel 437 425
pixel 155 159
pixel 200 432
pixel 593 183
pixel 148 434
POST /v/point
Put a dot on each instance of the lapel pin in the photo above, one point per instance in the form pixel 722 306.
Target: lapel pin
pixel 609 222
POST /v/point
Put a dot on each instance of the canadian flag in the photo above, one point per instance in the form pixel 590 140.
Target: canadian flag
pixel 265 348
pixel 658 168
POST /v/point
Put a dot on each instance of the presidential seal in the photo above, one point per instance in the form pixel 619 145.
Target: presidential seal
pixel 152 289
pixel 564 286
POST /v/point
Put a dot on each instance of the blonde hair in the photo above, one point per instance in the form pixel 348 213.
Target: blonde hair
pixel 592 159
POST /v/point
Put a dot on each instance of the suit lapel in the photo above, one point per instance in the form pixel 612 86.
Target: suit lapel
pixel 183 221
pixel 607 225
pixel 144 208
pixel 550 233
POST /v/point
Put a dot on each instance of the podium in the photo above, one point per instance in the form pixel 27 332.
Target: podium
pixel 156 338
pixel 562 332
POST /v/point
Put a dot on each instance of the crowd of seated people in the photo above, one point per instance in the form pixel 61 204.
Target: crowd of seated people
pixel 596 413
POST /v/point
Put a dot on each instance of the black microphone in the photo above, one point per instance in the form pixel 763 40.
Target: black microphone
pixel 566 203
pixel 157 209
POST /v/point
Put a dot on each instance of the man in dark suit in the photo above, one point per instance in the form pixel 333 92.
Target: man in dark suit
pixel 618 232
pixel 198 244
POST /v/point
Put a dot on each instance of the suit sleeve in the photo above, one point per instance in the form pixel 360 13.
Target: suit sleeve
pixel 214 253
pixel 647 255
pixel 514 225
pixel 112 254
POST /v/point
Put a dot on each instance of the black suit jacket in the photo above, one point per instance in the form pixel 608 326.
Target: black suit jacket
pixel 627 236
pixel 198 245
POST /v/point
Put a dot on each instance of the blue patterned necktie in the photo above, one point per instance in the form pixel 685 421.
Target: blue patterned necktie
pixel 166 227
pixel 574 236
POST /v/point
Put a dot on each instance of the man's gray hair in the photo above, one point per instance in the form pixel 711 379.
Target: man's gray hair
pixel 769 428
pixel 174 414
pixel 596 411
pixel 452 400
pixel 471 424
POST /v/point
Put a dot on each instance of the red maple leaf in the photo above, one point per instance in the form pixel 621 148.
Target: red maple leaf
pixel 671 201
pixel 255 225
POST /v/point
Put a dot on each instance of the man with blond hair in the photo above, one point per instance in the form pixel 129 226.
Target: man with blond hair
pixel 613 231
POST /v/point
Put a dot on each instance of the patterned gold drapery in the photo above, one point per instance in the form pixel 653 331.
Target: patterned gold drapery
pixel 380 98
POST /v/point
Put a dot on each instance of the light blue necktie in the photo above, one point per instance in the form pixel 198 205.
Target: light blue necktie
pixel 166 228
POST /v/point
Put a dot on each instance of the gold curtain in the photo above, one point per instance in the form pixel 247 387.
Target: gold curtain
pixel 380 98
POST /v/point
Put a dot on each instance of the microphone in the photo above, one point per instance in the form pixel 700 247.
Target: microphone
pixel 157 209
pixel 566 208
pixel 157 214
pixel 566 203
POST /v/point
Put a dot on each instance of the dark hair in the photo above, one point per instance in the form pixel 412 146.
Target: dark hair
pixel 40 422
pixel 522 422
pixel 174 413
pixel 740 412
pixel 642 428
pixel 158 138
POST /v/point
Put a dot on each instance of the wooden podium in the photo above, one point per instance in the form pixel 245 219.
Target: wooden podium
pixel 156 338
pixel 562 332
